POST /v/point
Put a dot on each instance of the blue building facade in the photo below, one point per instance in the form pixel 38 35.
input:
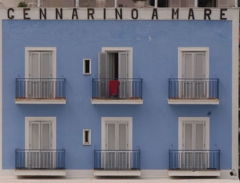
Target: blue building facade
pixel 110 95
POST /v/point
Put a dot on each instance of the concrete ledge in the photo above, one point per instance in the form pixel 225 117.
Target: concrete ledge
pixel 109 101
pixel 40 172
pixel 203 173
pixel 112 173
pixel 195 101
pixel 40 101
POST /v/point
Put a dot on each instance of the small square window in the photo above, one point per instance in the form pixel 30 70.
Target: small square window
pixel 86 66
pixel 86 137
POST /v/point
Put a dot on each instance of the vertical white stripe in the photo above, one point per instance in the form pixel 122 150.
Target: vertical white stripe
pixel 235 84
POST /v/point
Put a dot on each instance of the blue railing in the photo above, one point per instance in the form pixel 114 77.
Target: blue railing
pixel 194 159
pixel 117 160
pixel 180 88
pixel 39 159
pixel 40 88
pixel 130 88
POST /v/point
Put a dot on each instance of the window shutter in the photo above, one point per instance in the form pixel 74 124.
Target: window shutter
pixel 103 65
pixel 188 136
pixel 123 65
pixel 125 86
pixel 34 137
pixel 122 136
pixel 187 66
pixel 200 136
pixel 199 65
pixel 46 65
pixel 34 65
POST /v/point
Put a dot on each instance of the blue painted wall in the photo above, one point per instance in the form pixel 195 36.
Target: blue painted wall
pixel 155 54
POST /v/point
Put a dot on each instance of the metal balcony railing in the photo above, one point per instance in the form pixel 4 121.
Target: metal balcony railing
pixel 180 88
pixel 194 159
pixel 117 160
pixel 40 88
pixel 39 159
pixel 106 88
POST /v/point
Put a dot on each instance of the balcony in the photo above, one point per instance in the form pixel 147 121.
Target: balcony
pixel 194 163
pixel 40 91
pixel 193 91
pixel 117 163
pixel 117 91
pixel 40 162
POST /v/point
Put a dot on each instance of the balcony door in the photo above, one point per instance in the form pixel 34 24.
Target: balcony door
pixel 117 140
pixel 193 84
pixel 114 65
pixel 40 142
pixel 195 138
pixel 40 85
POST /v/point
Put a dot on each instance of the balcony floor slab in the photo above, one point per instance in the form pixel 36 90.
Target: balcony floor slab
pixel 194 173
pixel 40 172
pixel 112 173
pixel 118 101
pixel 194 101
pixel 40 101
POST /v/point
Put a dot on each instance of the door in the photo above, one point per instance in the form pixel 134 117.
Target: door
pixel 116 156
pixel 114 66
pixel 193 144
pixel 193 84
pixel 40 71
pixel 40 142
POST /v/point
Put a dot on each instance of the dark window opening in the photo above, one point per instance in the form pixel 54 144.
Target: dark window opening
pixel 207 3
pixel 161 3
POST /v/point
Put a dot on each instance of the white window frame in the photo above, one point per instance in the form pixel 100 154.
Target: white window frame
pixel 123 49
pixel 104 120
pixel 192 49
pixel 50 49
pixel 181 120
pixel 54 128
pixel 84 66
pixel 89 137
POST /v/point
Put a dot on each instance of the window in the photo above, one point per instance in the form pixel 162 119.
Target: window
pixel 86 66
pixel 40 69
pixel 86 137
pixel 116 136
pixel 40 135
pixel 193 139
pixel 116 133
pixel 173 3
pixel 216 3
pixel 193 71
